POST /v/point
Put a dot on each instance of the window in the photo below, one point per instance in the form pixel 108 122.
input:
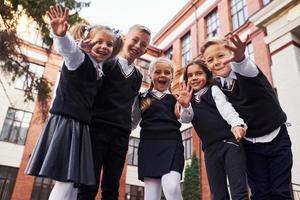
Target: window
pixel 21 82
pixel 15 126
pixel 169 53
pixel 265 2
pixel 133 151
pixel 187 142
pixel 143 66
pixel 249 51
pixel 134 192
pixel 186 49
pixel 239 13
pixel 41 188
pixel 7 181
pixel 212 24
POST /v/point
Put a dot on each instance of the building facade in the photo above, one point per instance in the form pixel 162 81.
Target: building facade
pixel 274 45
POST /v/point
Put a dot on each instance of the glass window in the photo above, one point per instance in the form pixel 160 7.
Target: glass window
pixel 212 24
pixel 265 2
pixel 143 66
pixel 133 151
pixel 7 181
pixel 239 13
pixel 186 53
pixel 15 126
pixel 37 70
pixel 169 53
pixel 41 188
pixel 134 192
pixel 249 51
pixel 187 142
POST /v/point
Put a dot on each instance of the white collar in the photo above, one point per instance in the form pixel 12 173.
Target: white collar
pixel 160 94
pixel 124 62
pixel 230 77
pixel 95 63
pixel 200 92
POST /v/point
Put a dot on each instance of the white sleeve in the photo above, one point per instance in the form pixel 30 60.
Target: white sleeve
pixel 225 108
pixel 69 49
pixel 246 68
pixel 136 113
pixel 186 114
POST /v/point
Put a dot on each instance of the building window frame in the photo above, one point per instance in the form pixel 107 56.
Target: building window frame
pixel 187 143
pixel 15 126
pixel 169 53
pixel 41 188
pixel 186 50
pixel 8 177
pixel 143 65
pixel 239 13
pixel 212 24
pixel 132 156
pixel 134 192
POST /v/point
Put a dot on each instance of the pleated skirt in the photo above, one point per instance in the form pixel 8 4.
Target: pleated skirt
pixel 63 152
pixel 159 157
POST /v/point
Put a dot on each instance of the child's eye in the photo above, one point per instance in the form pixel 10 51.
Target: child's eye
pixel 109 44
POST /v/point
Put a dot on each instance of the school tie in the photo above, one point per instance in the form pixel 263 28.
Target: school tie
pixel 225 85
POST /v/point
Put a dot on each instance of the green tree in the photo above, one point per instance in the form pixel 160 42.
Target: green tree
pixel 11 60
pixel 191 184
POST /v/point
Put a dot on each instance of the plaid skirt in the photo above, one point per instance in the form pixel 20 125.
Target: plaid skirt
pixel 63 152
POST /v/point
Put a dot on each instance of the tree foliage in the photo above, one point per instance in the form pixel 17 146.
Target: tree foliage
pixel 12 61
pixel 191 184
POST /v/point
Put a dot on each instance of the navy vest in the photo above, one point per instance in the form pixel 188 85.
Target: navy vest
pixel 159 120
pixel 76 91
pixel 256 102
pixel 208 122
pixel 113 103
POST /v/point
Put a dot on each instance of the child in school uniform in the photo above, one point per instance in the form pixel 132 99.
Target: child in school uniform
pixel 220 129
pixel 267 143
pixel 63 151
pixel 111 119
pixel 160 151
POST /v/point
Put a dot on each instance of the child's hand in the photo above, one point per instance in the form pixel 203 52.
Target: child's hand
pixel 86 45
pixel 239 132
pixel 58 20
pixel 237 48
pixel 184 96
pixel 177 110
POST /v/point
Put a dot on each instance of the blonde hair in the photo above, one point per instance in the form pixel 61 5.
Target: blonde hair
pixel 213 41
pixel 141 28
pixel 77 31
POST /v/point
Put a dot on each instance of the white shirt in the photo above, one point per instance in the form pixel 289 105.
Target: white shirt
pixel 125 68
pixel 224 107
pixel 72 54
pixel 248 68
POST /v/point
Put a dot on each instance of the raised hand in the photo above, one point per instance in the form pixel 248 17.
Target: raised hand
pixel 239 132
pixel 58 19
pixel 237 48
pixel 184 96
pixel 86 45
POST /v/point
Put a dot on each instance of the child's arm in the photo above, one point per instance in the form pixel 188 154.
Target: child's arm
pixel 185 109
pixel 65 45
pixel 136 113
pixel 240 64
pixel 226 110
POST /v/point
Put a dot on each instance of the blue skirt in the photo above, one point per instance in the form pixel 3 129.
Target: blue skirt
pixel 158 157
pixel 63 152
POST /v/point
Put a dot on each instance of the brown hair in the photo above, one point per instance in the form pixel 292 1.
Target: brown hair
pixel 203 66
pixel 213 41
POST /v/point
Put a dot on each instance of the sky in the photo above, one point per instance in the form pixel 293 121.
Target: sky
pixel 121 14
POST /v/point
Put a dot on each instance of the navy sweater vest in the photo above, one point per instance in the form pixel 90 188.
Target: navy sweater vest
pixel 113 103
pixel 256 102
pixel 159 120
pixel 76 91
pixel 208 122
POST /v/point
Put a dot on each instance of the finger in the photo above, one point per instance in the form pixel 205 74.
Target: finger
pixel 234 40
pixel 230 48
pixel 49 15
pixel 238 39
pixel 66 13
pixel 247 39
pixel 227 60
pixel 59 10
pixel 65 26
pixel 53 11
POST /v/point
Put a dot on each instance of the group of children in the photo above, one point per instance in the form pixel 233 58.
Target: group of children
pixel 229 101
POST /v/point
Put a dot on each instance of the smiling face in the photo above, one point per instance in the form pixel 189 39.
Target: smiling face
pixel 161 76
pixel 135 45
pixel 214 56
pixel 104 42
pixel 196 77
